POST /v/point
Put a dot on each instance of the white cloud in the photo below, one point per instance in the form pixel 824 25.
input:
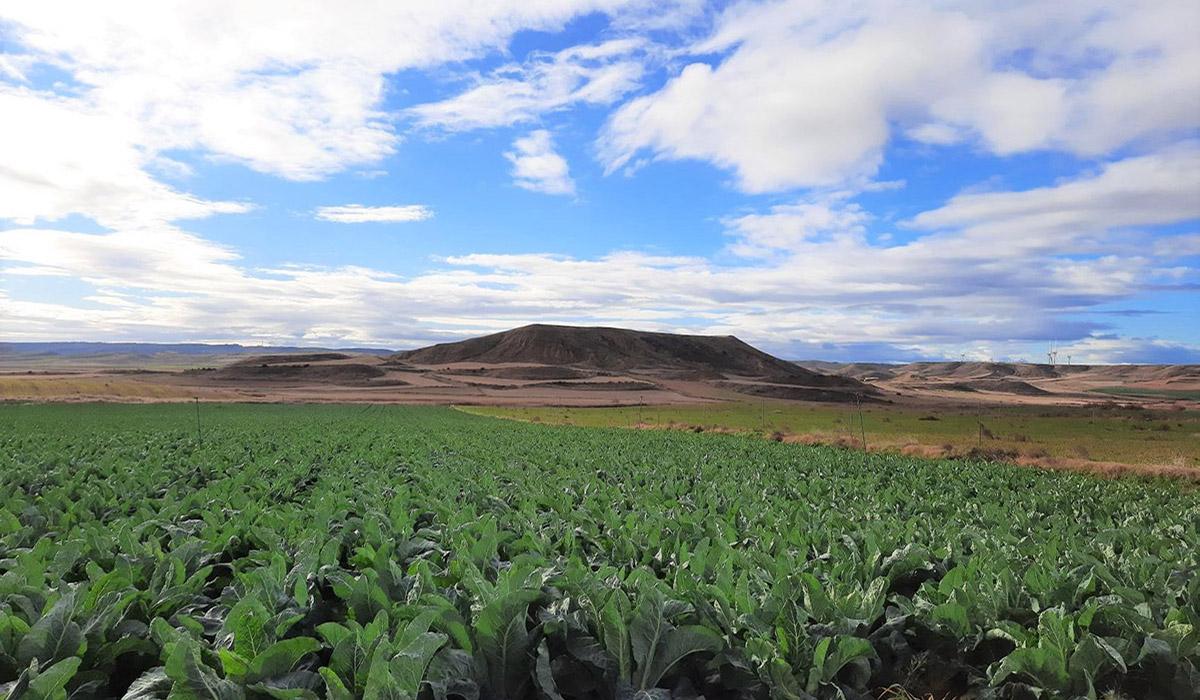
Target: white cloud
pixel 62 156
pixel 293 91
pixel 537 167
pixel 1109 349
pixel 807 92
pixel 824 287
pixel 996 273
pixel 357 213
pixel 787 226
pixel 1096 213
pixel 1160 188
pixel 595 74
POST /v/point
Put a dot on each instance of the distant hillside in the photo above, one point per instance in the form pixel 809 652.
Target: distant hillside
pixel 313 367
pixel 75 348
pixel 865 371
pixel 1002 370
pixel 86 355
pixel 618 349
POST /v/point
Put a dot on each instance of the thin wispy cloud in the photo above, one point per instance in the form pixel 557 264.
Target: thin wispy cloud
pixel 359 214
pixel 594 74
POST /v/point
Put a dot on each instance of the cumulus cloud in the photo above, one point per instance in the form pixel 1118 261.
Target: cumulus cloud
pixel 1142 191
pixel 786 226
pixel 595 74
pixel 300 100
pixel 1110 349
pixel 63 156
pixel 358 214
pixel 290 91
pixel 537 167
pixel 807 93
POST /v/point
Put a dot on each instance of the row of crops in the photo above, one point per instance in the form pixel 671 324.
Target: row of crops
pixel 340 552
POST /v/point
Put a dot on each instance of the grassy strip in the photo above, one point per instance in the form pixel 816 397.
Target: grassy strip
pixel 1123 436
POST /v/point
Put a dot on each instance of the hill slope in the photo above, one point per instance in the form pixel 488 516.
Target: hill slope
pixel 618 349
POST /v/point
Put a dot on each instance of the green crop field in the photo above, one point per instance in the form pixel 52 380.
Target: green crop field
pixel 1149 393
pixel 336 551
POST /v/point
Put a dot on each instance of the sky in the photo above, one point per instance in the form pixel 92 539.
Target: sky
pixel 844 180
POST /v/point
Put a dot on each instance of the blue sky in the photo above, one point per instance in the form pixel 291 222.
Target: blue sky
pixel 851 180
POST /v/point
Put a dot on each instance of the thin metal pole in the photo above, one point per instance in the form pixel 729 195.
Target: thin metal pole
pixel 199 434
pixel 862 424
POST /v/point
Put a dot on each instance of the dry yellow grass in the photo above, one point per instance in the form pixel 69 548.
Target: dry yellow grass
pixel 69 388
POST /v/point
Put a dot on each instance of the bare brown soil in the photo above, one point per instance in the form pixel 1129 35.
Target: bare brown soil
pixel 797 393
pixel 1002 386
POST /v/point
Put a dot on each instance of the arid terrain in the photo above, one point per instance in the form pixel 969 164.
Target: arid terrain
pixel 557 365
pixel 532 365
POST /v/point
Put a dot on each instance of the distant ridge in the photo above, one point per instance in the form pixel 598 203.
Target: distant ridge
pixel 620 349
pixel 76 348
pixel 973 370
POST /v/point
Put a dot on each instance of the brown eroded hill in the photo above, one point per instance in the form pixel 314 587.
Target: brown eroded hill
pixel 1019 380
pixel 312 367
pixel 622 350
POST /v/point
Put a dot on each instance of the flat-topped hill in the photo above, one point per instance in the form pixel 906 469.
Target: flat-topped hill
pixel 620 349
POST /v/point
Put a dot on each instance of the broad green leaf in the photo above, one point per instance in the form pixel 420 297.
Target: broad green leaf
pixel 53 637
pixel 51 682
pixel 832 655
pixel 12 629
pixel 953 617
pixel 195 681
pixel 505 644
pixel 381 684
pixel 1090 656
pixel 1044 666
pixel 297 685
pixel 233 664
pixel 333 633
pixel 453 671
pixel 351 661
pixel 615 634
pixel 280 658
pixel 409 664
pixel 657 644
pixel 543 675
pixel 247 622
pixel 154 684
pixel 335 689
